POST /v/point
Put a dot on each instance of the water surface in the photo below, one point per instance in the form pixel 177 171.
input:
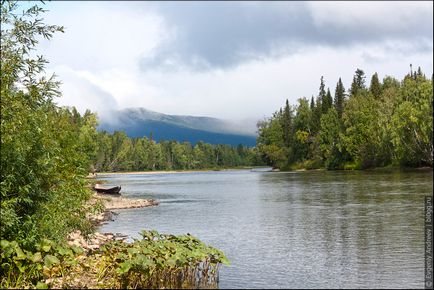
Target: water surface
pixel 310 229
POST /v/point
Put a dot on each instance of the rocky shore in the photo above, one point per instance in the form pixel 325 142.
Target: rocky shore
pixel 109 203
pixel 87 271
pixel 112 202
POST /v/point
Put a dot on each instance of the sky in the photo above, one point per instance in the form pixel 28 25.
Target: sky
pixel 231 60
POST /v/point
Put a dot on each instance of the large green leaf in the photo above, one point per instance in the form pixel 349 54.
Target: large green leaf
pixel 50 260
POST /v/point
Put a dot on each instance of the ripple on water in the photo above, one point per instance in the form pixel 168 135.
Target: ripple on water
pixel 292 230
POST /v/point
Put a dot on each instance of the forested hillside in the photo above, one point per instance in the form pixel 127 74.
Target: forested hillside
pixel 139 122
pixel 384 123
pixel 118 152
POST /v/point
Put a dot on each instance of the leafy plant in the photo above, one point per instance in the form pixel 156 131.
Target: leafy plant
pixel 164 261
pixel 21 268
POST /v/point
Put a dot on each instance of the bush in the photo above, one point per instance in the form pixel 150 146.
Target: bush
pixel 44 152
pixel 156 261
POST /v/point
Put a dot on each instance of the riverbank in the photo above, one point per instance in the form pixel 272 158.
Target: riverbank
pixel 379 169
pixel 177 171
pixel 119 202
pixel 108 203
pixel 104 262
pixel 113 202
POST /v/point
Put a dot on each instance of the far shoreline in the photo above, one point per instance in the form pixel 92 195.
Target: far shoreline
pixel 180 171
pixel 386 168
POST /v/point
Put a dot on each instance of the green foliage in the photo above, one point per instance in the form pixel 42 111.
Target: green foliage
pixel 329 135
pixel 156 261
pixel 303 130
pixel 389 124
pixel 44 148
pixel 412 121
pixel 316 116
pixel 118 152
pixel 339 98
pixel 22 268
pixel 271 141
pixel 327 102
pixel 358 84
pixel 375 87
pixel 287 124
pixel 163 261
pixel 322 96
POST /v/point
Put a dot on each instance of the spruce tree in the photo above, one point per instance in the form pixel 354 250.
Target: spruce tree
pixel 339 98
pixel 313 121
pixel 287 124
pixel 358 83
pixel 327 102
pixel 316 115
pixel 419 73
pixel 322 92
pixel 375 87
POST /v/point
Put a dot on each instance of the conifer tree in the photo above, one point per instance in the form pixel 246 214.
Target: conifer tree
pixel 316 115
pixel 339 98
pixel 287 124
pixel 358 83
pixel 322 92
pixel 420 73
pixel 375 87
pixel 327 102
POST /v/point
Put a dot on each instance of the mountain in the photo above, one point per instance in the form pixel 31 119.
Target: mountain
pixel 139 122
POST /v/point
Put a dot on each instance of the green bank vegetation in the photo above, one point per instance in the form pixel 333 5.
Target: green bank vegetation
pixel 118 152
pixel 46 152
pixel 162 261
pixel 388 123
pixel 155 261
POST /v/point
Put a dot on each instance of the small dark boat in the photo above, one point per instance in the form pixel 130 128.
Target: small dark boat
pixel 108 190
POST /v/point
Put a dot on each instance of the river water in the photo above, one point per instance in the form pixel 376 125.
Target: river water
pixel 307 229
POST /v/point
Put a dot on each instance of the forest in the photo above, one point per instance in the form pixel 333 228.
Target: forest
pixel 118 152
pixel 385 123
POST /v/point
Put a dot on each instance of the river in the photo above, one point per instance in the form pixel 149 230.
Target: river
pixel 305 229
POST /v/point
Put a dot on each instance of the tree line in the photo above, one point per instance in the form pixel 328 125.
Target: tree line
pixel 385 123
pixel 118 152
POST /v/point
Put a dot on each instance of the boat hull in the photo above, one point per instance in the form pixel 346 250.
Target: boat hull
pixel 112 190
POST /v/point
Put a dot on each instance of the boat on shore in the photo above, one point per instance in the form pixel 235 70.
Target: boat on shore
pixel 107 190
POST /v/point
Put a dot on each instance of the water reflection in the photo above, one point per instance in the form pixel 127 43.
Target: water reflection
pixel 296 230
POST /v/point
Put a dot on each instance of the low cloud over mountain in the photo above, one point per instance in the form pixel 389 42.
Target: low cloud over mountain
pixel 139 122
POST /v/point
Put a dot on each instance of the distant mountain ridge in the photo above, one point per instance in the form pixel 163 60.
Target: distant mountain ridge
pixel 139 122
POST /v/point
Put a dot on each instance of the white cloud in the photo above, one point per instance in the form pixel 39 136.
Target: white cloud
pixel 82 93
pixel 101 36
pixel 259 88
pixel 399 16
pixel 99 55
